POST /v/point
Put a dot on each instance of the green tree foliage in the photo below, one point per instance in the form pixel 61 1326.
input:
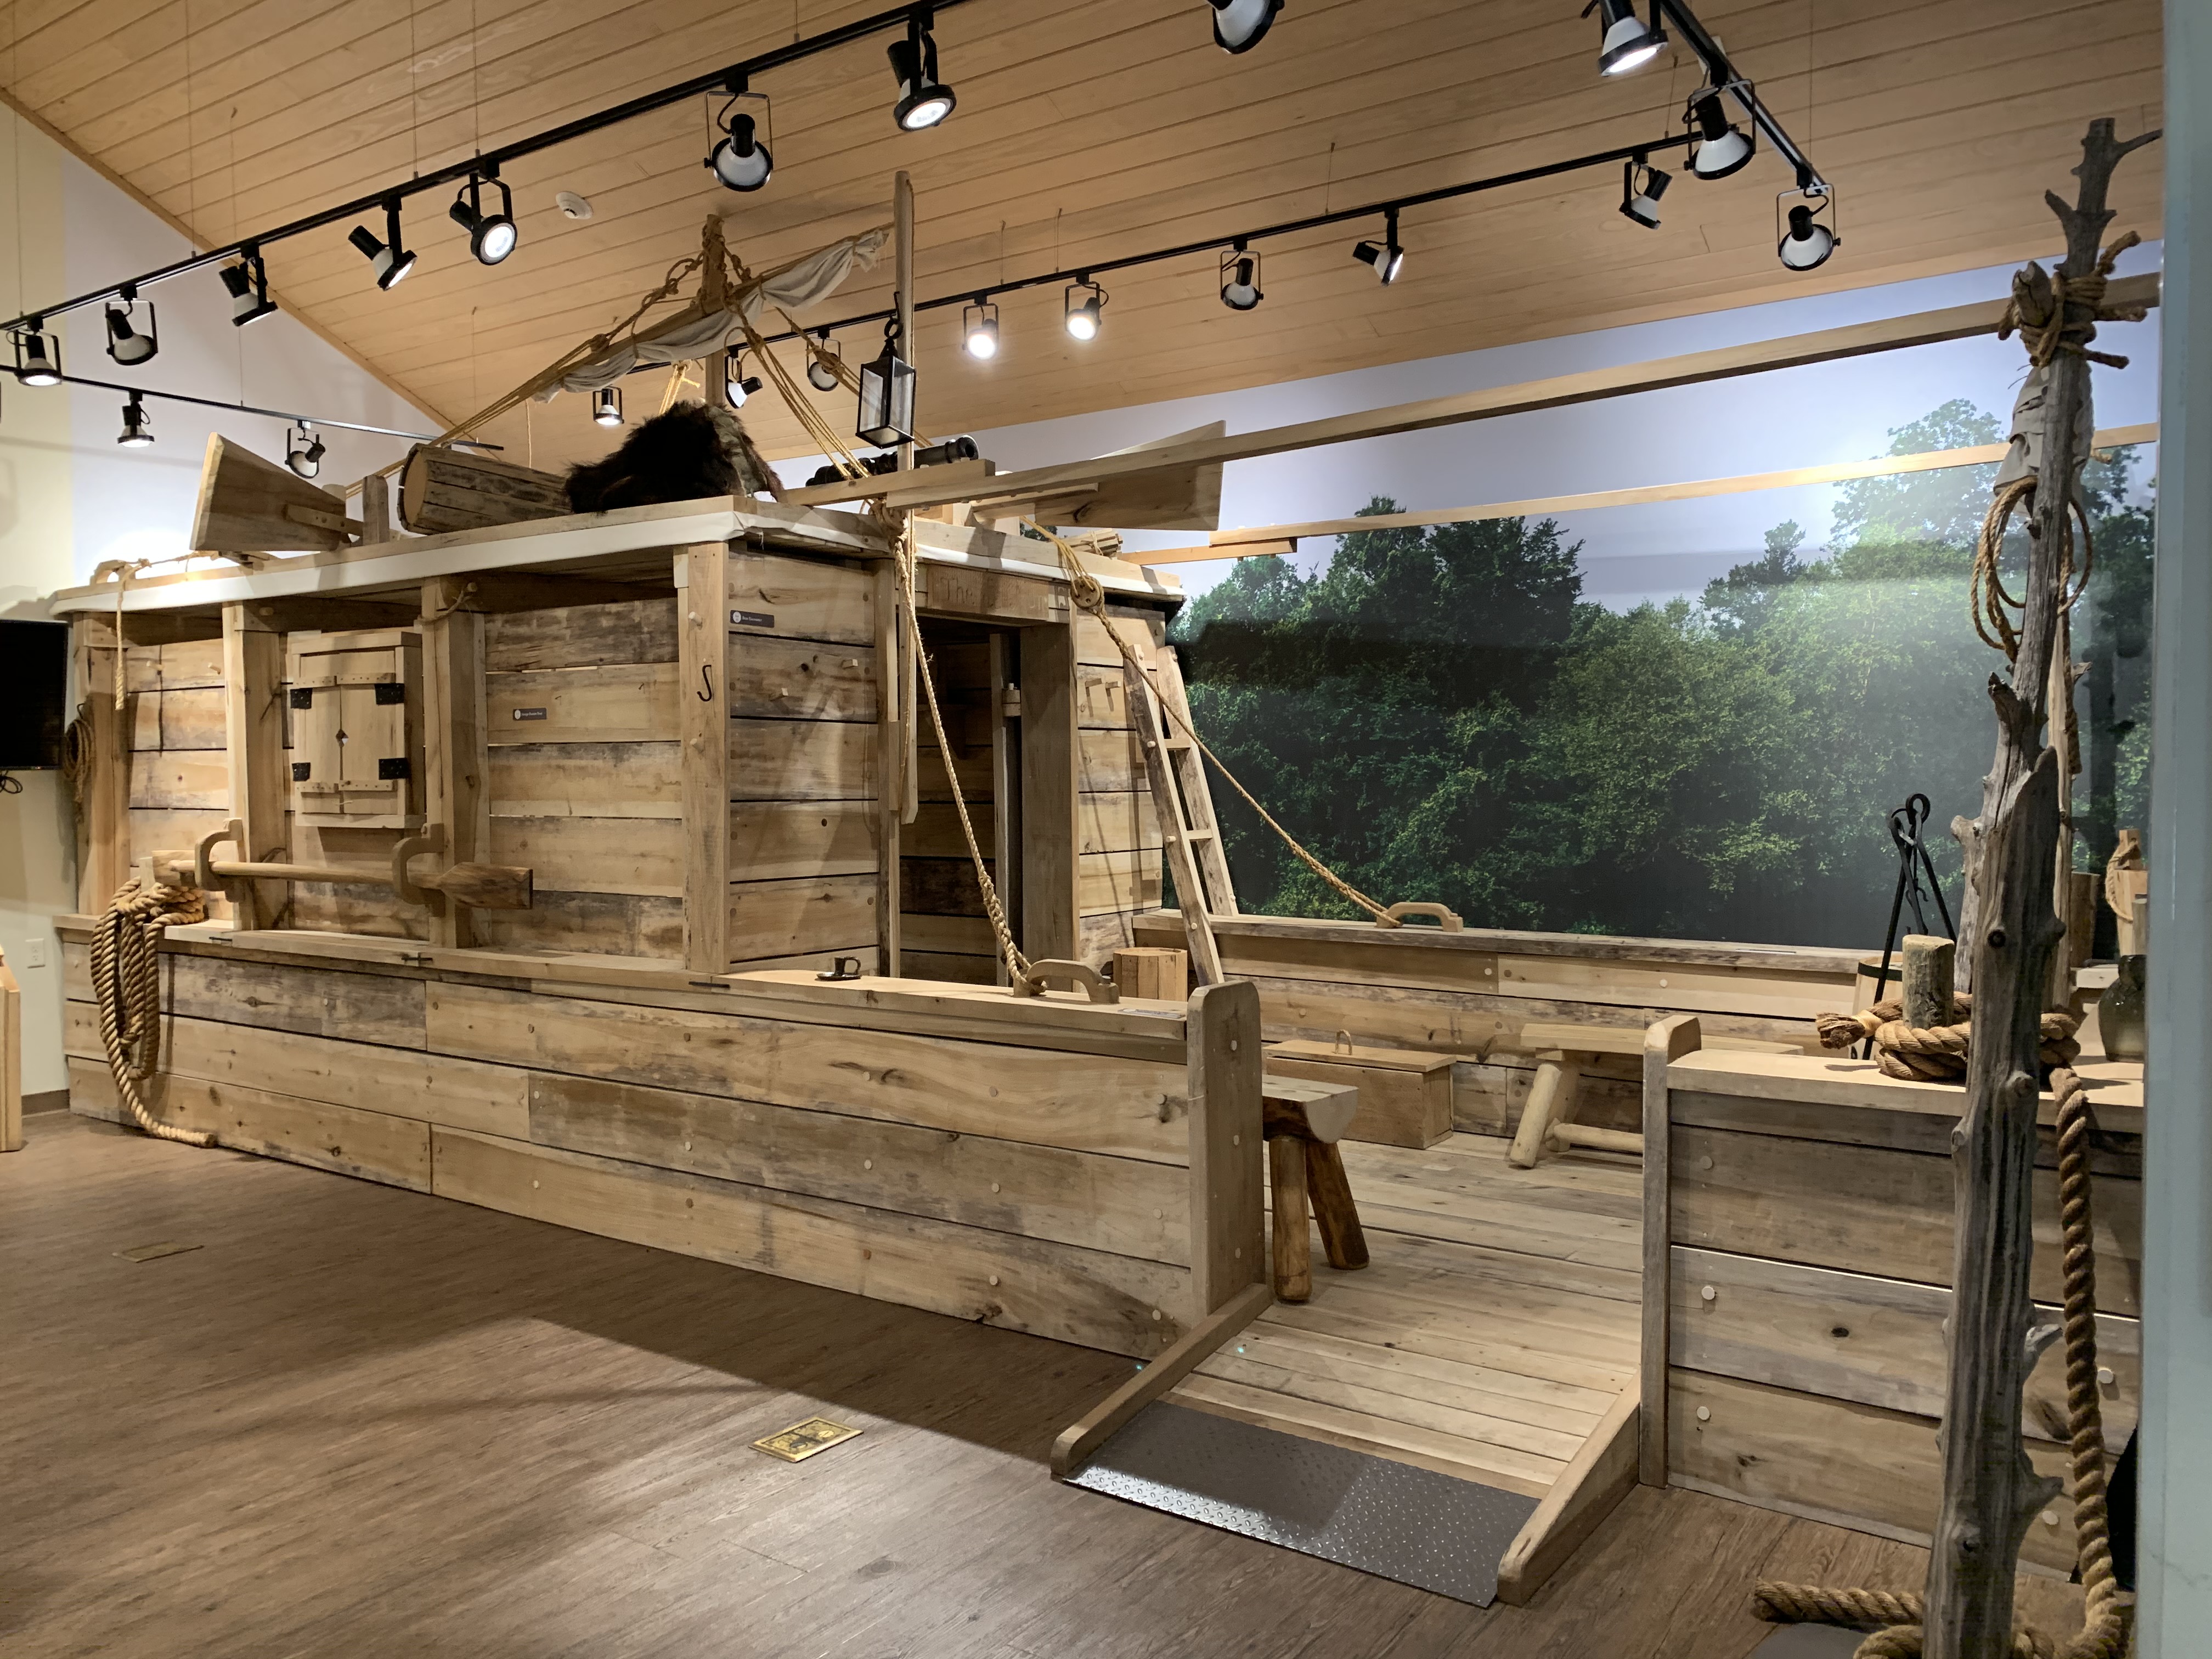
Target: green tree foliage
pixel 1440 714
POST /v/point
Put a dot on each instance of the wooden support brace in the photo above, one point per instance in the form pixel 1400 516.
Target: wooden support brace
pixel 253 731
pixel 1583 1495
pixel 1081 1439
pixel 1667 1042
pixel 702 578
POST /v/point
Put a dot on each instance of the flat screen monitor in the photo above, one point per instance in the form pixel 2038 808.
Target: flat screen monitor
pixel 34 693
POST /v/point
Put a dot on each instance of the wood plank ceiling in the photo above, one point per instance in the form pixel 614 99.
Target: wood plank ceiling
pixel 1083 131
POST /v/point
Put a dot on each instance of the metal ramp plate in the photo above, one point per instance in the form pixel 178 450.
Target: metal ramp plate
pixel 1412 1525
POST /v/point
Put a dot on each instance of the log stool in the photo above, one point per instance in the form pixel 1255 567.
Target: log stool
pixel 1547 1121
pixel 1302 1123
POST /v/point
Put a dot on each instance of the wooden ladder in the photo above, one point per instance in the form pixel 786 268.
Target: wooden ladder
pixel 1189 828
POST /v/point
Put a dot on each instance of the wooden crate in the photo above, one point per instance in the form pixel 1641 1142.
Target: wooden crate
pixel 1404 1096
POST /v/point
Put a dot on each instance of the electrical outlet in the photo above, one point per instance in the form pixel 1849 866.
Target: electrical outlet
pixel 34 953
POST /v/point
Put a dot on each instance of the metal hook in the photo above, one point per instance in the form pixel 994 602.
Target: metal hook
pixel 706 678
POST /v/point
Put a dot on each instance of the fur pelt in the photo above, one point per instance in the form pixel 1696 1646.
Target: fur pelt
pixel 683 454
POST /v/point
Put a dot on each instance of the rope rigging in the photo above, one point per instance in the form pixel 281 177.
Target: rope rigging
pixel 126 983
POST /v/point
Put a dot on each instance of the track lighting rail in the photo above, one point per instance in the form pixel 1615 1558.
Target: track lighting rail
pixel 487 164
pixel 1722 73
pixel 249 408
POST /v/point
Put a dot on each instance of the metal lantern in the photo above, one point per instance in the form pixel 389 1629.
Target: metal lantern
pixel 887 395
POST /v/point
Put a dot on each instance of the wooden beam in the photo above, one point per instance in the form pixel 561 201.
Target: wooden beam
pixel 1667 1042
pixel 253 735
pixel 1584 1494
pixel 1591 385
pixel 1227 1233
pixel 1051 816
pixel 457 793
pixel 891 715
pixel 702 578
pixel 328 616
pixel 12 1061
pixel 1078 1443
pixel 103 816
pixel 491 593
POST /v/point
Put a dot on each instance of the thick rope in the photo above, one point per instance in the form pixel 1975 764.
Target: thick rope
pixel 125 980
pixel 1936 1053
pixel 1895 1618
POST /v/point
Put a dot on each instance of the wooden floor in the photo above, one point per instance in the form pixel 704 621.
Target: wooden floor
pixel 360 1421
pixel 1496 1324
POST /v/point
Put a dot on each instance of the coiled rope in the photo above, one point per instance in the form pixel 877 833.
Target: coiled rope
pixel 1895 1619
pixel 1936 1053
pixel 126 982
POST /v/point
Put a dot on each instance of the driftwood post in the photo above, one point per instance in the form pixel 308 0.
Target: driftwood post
pixel 1927 975
pixel 2008 930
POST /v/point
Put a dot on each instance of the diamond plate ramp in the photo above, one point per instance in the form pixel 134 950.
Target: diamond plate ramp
pixel 1411 1525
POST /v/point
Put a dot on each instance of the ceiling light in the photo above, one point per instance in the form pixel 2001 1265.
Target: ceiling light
pixel 1241 25
pixel 1624 43
pixel 924 100
pixel 740 161
pixel 137 432
pixel 1642 185
pixel 303 451
pixel 124 343
pixel 1389 257
pixel 606 406
pixel 1240 278
pixel 978 329
pixel 886 396
pixel 248 283
pixel 571 204
pixel 1723 147
pixel 1085 301
pixel 737 384
pixel 1807 242
pixel 38 355
pixel 387 258
pixel 492 236
pixel 822 361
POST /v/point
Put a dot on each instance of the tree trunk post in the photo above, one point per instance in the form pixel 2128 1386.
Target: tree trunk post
pixel 2008 933
pixel 1927 975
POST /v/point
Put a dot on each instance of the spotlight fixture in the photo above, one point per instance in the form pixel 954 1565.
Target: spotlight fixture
pixel 1624 43
pixel 739 160
pixel 124 343
pixel 887 395
pixel 38 355
pixel 1722 147
pixel 821 360
pixel 1807 242
pixel 1642 185
pixel 1241 25
pixel 978 329
pixel 492 236
pixel 1240 278
pixel 1387 258
pixel 248 283
pixel 924 100
pixel 137 431
pixel 387 258
pixel 606 406
pixel 737 384
pixel 303 450
pixel 1083 302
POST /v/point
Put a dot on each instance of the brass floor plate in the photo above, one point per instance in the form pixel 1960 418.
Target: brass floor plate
pixel 802 1440
pixel 154 1252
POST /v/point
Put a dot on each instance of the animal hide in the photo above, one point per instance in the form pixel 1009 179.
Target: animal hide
pixel 687 452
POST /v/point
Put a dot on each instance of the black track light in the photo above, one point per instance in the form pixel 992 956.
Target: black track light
pixel 303 451
pixel 387 258
pixel 492 236
pixel 606 406
pixel 739 161
pixel 1389 257
pixel 124 343
pixel 137 431
pixel 886 416
pixel 1722 147
pixel 1080 309
pixel 1241 25
pixel 248 283
pixel 1807 242
pixel 737 384
pixel 1240 278
pixel 822 361
pixel 978 329
pixel 1624 43
pixel 1642 185
pixel 924 100
pixel 38 355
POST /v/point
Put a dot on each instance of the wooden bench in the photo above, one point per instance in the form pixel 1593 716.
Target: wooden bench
pixel 1547 1121
pixel 1303 1122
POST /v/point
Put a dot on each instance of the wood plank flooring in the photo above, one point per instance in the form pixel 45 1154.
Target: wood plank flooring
pixel 358 1420
pixel 1495 1325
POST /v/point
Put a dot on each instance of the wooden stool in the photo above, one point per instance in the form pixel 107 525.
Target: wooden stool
pixel 1547 1121
pixel 1303 1123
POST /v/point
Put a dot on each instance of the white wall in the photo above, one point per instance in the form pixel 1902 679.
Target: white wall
pixel 70 497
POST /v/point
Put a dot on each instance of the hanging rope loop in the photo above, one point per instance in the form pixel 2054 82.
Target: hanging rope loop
pixel 126 983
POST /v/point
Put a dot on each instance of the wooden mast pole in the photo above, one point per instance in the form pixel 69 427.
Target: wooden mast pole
pixel 1991 1492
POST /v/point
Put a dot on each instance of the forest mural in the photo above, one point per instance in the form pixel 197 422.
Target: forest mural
pixel 1440 714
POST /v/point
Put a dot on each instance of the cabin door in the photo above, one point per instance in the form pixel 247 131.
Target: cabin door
pixel 944 932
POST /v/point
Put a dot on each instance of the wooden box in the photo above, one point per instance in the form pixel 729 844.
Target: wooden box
pixel 1404 1097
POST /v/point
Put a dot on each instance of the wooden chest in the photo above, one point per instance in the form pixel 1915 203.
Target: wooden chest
pixel 1404 1096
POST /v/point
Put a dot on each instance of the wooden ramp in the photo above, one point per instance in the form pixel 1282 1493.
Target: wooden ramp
pixel 1494 1336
